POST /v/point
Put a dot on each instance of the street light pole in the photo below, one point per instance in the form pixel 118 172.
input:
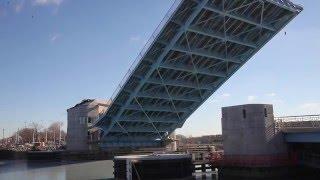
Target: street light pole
pixel 59 134
pixel 46 136
pixel 3 136
pixel 33 136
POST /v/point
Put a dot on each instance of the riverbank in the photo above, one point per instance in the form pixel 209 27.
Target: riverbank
pixel 60 155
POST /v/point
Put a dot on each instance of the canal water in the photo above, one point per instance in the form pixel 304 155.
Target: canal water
pixel 12 170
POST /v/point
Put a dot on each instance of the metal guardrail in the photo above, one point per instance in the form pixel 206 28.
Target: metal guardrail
pixel 146 47
pixel 298 118
pixel 144 50
pixel 294 122
pixel 219 159
pixel 142 53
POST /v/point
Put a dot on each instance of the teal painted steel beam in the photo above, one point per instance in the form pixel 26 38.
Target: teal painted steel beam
pixel 173 41
pixel 220 36
pixel 156 95
pixel 156 108
pixel 190 69
pixel 207 54
pixel 291 7
pixel 184 85
pixel 137 129
pixel 146 120
pixel 143 136
pixel 241 18
pixel 137 143
pixel 181 83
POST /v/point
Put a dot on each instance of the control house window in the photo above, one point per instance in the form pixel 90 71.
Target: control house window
pixel 244 113
pixel 265 112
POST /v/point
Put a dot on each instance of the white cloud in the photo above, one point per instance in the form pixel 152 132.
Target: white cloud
pixel 272 94
pixel 54 37
pixel 252 98
pixel 18 6
pixel 310 108
pixel 3 12
pixel 135 38
pixel 226 95
pixel 47 2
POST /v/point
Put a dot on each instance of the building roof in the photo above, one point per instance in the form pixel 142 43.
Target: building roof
pixel 98 101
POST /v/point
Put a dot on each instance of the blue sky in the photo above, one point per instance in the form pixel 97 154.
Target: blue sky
pixel 54 53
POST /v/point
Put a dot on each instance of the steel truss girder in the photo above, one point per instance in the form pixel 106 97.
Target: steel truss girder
pixel 156 108
pixel 164 96
pixel 146 120
pixel 190 69
pixel 211 34
pixel 158 62
pixel 132 129
pixel 277 3
pixel 181 83
pixel 148 117
pixel 157 119
pixel 137 143
pixel 240 18
pixel 204 53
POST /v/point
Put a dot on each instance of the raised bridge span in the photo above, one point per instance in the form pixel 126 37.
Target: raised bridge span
pixel 197 47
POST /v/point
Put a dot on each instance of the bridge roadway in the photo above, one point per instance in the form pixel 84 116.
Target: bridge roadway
pixel 198 46
pixel 300 129
pixel 302 133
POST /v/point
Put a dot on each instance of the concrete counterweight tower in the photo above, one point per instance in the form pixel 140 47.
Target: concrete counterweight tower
pixel 80 118
pixel 249 131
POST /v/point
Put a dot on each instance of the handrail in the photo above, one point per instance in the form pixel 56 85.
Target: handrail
pixel 143 52
pixel 146 47
pixel 298 118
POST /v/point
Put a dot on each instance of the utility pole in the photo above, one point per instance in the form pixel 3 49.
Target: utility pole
pixel 33 136
pixel 15 141
pixel 18 136
pixel 46 136
pixel 54 137
pixel 59 134
pixel 3 136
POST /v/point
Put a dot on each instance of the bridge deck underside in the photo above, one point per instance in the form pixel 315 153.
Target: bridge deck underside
pixel 202 44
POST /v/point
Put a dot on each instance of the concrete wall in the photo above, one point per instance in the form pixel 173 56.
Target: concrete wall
pixel 173 145
pixel 250 130
pixel 78 122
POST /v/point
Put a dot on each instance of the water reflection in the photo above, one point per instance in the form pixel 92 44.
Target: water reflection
pixel 91 170
pixel 55 170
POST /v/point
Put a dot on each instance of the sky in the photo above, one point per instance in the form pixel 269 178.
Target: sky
pixel 54 53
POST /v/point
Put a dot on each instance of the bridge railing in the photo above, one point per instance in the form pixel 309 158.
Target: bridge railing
pixel 142 53
pixel 293 122
pixel 219 159
pixel 146 47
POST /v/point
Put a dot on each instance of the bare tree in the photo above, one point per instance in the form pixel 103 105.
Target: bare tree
pixel 55 131
pixel 36 129
pixel 26 135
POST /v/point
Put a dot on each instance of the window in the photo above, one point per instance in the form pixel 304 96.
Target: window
pixel 244 113
pixel 83 120
pixel 265 112
pixel 89 120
